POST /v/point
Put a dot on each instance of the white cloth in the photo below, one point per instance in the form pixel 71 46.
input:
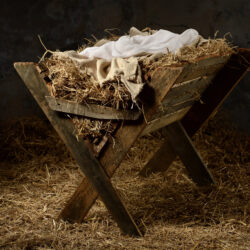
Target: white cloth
pixel 119 60
pixel 161 41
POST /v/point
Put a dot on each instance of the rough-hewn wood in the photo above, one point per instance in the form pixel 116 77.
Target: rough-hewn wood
pixel 222 85
pixel 91 110
pixel 187 90
pixel 165 120
pixel 181 96
pixel 203 67
pixel 85 195
pixel 84 158
pixel 184 147
pixel 126 136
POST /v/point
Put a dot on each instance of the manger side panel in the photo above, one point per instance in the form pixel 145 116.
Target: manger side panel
pixel 229 77
pixel 222 85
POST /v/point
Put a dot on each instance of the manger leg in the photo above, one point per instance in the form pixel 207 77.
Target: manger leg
pixel 183 146
pixel 91 167
pixel 83 198
pixel 213 97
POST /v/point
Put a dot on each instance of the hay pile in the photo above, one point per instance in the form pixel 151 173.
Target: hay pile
pixel 37 176
pixel 67 83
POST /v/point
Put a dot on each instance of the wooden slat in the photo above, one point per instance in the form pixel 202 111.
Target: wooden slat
pixel 92 169
pixel 84 197
pixel 183 94
pixel 203 67
pixel 213 97
pixel 91 110
pixel 187 90
pixel 165 120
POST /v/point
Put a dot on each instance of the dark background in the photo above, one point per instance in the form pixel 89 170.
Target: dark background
pixel 64 25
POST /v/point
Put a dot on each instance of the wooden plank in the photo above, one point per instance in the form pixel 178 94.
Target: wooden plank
pixel 222 85
pixel 165 120
pixel 203 67
pixel 92 169
pixel 183 94
pixel 183 146
pixel 187 90
pixel 91 110
pixel 84 197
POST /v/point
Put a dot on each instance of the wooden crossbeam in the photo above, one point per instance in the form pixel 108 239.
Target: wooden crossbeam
pixel 97 172
pixel 213 97
pixel 92 169
pixel 84 196
pixel 183 146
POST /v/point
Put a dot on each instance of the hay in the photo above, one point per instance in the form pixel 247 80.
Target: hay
pixel 92 129
pixel 190 54
pixel 37 176
pixel 67 83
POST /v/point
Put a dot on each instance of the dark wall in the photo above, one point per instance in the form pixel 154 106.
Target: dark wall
pixel 64 25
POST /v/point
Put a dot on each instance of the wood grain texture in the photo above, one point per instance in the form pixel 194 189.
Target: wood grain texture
pixel 184 148
pixel 165 120
pixel 126 136
pixel 91 110
pixel 110 159
pixel 222 85
pixel 92 169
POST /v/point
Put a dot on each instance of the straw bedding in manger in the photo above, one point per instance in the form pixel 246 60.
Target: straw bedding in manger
pixel 37 176
pixel 67 83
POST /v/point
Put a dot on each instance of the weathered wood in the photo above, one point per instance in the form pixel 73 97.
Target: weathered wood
pixel 187 90
pixel 165 120
pixel 203 67
pixel 92 169
pixel 84 197
pixel 222 85
pixel 184 147
pixel 159 161
pixel 91 110
pixel 182 96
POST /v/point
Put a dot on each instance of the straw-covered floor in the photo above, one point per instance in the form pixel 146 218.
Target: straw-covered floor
pixel 37 176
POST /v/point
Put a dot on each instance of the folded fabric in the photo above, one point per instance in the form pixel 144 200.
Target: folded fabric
pixel 119 60
pixel 162 41
pixel 127 70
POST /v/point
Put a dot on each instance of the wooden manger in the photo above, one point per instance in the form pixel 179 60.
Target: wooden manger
pixel 185 97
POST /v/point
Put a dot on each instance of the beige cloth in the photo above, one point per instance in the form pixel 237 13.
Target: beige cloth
pixel 126 70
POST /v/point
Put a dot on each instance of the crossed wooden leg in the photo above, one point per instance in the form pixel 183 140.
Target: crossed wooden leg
pixel 98 173
pixel 222 85
pixel 85 195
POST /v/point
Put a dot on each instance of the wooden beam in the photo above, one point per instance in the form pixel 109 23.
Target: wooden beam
pixel 222 85
pixel 91 110
pixel 183 146
pixel 166 120
pixel 84 197
pixel 92 169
